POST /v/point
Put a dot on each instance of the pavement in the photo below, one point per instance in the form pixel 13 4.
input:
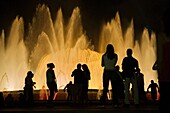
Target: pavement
pixel 62 107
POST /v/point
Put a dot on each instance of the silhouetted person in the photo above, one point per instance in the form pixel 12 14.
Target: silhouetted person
pixel 70 88
pixel 1 100
pixel 9 101
pixel 87 77
pixel 129 67
pixel 51 81
pixel 78 83
pixel 109 60
pixel 154 89
pixel 28 89
pixel 140 83
pixel 120 84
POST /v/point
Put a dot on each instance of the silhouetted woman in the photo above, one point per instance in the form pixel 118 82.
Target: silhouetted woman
pixel 87 77
pixel 109 60
pixel 51 81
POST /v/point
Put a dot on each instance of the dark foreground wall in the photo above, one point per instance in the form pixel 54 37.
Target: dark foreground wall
pixel 163 45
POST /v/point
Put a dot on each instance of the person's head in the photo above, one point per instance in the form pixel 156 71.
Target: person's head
pixel 78 66
pixel 129 52
pixel 84 66
pixel 110 51
pixel 30 74
pixel 152 81
pixel 50 65
pixel 109 48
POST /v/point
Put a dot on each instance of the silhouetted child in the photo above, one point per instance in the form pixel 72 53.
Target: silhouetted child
pixel 70 88
pixel 1 100
pixel 154 89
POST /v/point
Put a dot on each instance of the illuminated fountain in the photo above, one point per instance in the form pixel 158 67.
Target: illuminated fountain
pixel 65 44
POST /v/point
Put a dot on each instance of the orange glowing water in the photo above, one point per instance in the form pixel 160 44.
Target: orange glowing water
pixel 66 45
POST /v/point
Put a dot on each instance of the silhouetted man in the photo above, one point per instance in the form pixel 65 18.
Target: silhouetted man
pixel 129 67
pixel 78 83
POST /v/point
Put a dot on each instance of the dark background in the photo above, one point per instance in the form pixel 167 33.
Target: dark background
pixel 152 14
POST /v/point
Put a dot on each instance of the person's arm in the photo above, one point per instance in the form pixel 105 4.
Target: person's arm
pixel 148 88
pixel 102 63
pixel 65 87
pixel 87 74
pixel 136 66
pixel 72 73
pixel 53 75
pixel 116 57
pixel 32 83
pixel 124 64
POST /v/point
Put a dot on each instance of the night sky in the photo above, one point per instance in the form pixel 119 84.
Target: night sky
pixel 145 13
